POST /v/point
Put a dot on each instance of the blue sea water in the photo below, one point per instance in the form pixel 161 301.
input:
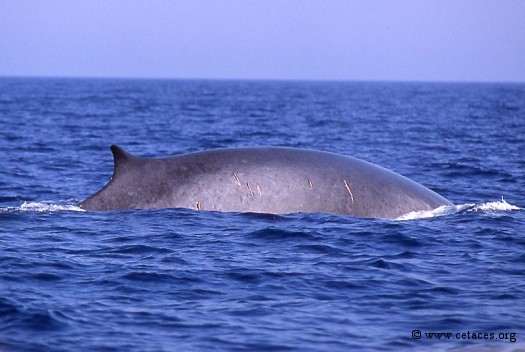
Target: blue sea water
pixel 186 280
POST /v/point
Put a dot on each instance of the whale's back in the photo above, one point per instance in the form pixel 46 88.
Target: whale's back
pixel 262 180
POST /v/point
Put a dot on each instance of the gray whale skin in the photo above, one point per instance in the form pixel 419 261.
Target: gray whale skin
pixel 261 180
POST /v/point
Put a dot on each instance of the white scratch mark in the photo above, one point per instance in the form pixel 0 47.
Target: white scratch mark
pixel 348 190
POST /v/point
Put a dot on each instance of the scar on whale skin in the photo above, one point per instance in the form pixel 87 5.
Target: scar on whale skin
pixel 348 190
pixel 249 189
pixel 237 179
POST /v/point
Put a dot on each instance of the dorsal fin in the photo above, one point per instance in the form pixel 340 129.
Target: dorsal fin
pixel 119 154
pixel 121 160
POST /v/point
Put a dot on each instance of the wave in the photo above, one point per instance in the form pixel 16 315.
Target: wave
pixel 41 207
pixel 489 207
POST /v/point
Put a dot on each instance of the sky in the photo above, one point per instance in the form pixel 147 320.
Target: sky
pixel 385 40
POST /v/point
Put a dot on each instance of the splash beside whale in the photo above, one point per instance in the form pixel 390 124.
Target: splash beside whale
pixel 261 180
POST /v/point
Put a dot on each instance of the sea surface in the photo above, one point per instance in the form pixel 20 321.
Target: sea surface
pixel 188 280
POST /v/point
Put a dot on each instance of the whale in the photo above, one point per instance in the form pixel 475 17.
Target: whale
pixel 274 180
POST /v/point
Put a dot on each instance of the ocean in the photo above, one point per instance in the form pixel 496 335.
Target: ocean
pixel 188 280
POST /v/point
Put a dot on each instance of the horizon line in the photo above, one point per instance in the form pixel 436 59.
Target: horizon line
pixel 259 79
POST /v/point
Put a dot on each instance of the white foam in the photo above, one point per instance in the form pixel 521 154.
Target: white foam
pixel 489 207
pixel 441 211
pixel 496 206
pixel 42 207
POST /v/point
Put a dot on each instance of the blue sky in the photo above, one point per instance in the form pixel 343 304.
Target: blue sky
pixel 426 40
